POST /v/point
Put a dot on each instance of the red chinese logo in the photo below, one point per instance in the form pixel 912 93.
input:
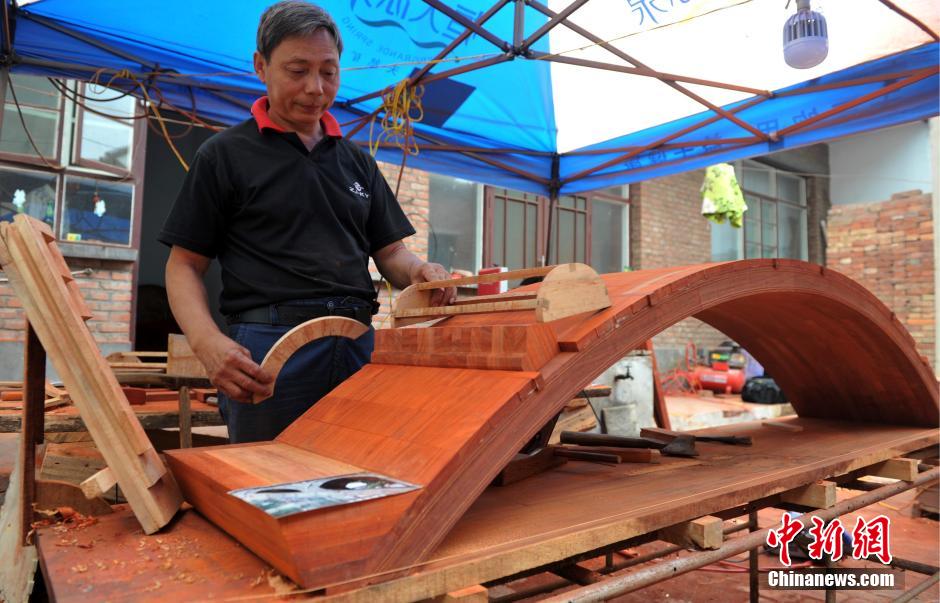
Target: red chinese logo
pixel 870 538
pixel 784 536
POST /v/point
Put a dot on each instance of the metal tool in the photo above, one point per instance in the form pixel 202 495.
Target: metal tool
pixel 683 445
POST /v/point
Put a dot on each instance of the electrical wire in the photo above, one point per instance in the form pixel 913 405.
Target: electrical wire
pixel 29 136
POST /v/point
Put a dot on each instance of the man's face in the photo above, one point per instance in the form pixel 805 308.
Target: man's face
pixel 302 79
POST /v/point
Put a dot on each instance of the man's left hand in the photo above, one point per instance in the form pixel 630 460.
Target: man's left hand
pixel 428 271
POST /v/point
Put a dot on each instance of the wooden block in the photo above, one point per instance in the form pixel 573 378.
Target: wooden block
pixel 527 465
pixel 578 574
pixel 902 469
pixel 51 495
pixel 703 533
pixel 627 455
pixel 180 359
pixel 820 495
pixel 658 434
pixel 591 456
pixel 582 419
pixel 19 562
pixel 12 395
pixel 136 396
pixel 786 426
pixel 98 484
pixel 471 594
pixel 568 290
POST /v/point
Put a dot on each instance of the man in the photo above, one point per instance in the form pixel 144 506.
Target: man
pixel 293 211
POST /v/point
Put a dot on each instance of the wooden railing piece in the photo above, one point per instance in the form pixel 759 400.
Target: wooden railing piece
pixel 451 430
pixel 25 258
pixel 566 290
pixel 301 335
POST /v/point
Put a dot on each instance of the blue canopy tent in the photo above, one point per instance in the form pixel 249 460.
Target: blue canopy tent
pixel 502 102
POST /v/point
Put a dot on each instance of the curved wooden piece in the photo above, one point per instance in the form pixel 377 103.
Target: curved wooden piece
pixel 570 289
pixel 832 346
pixel 301 335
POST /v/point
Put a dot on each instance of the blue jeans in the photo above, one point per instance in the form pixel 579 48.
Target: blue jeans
pixel 311 373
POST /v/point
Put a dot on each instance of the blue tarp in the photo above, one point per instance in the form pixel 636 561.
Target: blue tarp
pixel 201 55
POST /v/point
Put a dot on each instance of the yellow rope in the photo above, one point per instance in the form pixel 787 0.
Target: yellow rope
pixel 401 106
pixel 127 75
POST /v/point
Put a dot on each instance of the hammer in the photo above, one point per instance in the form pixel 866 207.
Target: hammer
pixel 683 445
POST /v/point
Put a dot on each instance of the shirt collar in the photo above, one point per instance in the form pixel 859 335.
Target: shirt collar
pixel 259 110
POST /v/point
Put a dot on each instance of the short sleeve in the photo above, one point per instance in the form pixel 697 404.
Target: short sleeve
pixel 197 219
pixel 387 222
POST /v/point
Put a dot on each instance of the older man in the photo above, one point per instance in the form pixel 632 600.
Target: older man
pixel 293 211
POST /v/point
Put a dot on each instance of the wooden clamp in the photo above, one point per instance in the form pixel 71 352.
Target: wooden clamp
pixel 566 290
pixel 302 334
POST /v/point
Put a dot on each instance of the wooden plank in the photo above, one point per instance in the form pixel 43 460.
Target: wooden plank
pixel 627 455
pixel 903 469
pixel 19 562
pixel 186 419
pixel 180 359
pixel 86 374
pixel 702 533
pixel 784 425
pixel 525 466
pixel 471 308
pixel 154 415
pixel 301 335
pixel 470 594
pixel 496 277
pixel 506 531
pixel 819 495
pixel 34 379
pixel 51 495
pixel 660 411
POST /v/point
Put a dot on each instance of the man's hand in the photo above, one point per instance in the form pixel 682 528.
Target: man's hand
pixel 425 272
pixel 231 369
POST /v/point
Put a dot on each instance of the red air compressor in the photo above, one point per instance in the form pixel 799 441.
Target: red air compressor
pixel 724 373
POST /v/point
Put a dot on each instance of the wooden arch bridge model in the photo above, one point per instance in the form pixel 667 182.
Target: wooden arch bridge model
pixel 445 407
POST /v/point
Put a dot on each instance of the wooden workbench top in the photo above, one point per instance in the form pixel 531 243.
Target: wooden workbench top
pixel 566 511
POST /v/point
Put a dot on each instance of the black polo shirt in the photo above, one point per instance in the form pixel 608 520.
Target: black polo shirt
pixel 285 223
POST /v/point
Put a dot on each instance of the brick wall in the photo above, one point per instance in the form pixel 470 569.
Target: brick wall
pixel 107 291
pixel 667 229
pixel 887 246
pixel 414 197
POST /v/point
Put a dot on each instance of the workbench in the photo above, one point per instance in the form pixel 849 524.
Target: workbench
pixel 567 513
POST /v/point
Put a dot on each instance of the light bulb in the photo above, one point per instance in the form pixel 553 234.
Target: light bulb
pixel 805 37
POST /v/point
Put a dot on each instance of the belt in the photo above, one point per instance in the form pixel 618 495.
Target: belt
pixel 291 316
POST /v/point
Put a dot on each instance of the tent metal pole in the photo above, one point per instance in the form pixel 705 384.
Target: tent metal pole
pixel 671 84
pixel 483 33
pixel 89 40
pixel 553 188
pixel 642 69
pixel 552 22
pixel 183 81
pixel 671 77
pixel 668 145
pixel 911 18
pixel 443 53
pixel 859 101
pixel 633 581
pixel 659 142
pixel 493 162
pixel 518 26
pixel 671 162
pixel 856 82
pixel 464 149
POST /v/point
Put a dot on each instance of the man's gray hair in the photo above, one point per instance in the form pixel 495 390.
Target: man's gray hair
pixel 293 18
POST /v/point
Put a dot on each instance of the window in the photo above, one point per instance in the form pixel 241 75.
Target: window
pixel 455 214
pixel 41 104
pixel 27 192
pixel 106 135
pixel 775 221
pixel 97 210
pixel 590 228
pixel 85 183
